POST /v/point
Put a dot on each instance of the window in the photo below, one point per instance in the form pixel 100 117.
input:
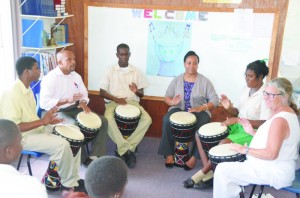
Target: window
pixel 9 43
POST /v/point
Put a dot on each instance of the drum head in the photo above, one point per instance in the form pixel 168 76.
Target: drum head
pixel 183 118
pixel 89 120
pixel 212 129
pixel 69 131
pixel 127 111
pixel 222 150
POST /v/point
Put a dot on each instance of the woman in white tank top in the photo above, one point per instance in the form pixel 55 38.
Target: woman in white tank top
pixel 272 154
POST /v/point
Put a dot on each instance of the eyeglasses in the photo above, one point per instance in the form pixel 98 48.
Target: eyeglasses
pixel 270 95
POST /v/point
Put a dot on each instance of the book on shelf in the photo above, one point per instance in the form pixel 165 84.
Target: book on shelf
pixel 60 33
pixel 47 8
pixel 39 7
pixel 32 35
pixel 30 7
pixel 46 61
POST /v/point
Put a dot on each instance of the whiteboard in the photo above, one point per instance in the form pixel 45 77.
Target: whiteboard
pixel 225 42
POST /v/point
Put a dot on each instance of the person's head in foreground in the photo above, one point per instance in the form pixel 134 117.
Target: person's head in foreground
pixel 10 142
pixel 106 177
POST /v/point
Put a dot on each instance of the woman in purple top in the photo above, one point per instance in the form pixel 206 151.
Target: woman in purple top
pixel 190 92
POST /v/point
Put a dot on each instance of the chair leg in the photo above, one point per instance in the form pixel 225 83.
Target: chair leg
pixel 87 149
pixel 252 191
pixel 242 195
pixel 261 191
pixel 19 163
pixel 28 164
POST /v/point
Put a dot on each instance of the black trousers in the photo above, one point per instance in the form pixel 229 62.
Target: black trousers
pixel 167 142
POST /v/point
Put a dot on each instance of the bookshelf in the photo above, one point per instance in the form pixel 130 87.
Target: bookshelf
pixel 41 20
pixel 36 28
pixel 36 18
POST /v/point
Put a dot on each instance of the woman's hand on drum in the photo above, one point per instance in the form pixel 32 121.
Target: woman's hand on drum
pixel 247 126
pixel 226 103
pixel 176 100
pixel 238 148
pixel 194 109
pixel 230 121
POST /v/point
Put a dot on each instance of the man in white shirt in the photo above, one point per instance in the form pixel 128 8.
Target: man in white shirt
pixel 13 183
pixel 124 84
pixel 64 88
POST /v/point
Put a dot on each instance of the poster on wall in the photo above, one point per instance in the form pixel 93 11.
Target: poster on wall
pixel 167 44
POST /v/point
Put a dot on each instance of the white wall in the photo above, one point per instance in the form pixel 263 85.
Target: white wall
pixel 290 56
pixel 7 69
pixel 225 42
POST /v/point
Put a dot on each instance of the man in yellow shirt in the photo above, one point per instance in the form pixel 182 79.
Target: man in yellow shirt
pixel 19 105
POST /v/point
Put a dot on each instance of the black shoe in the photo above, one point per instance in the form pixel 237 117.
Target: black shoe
pixel 136 150
pixel 169 165
pixel 205 184
pixel 130 159
pixel 87 162
pixel 81 182
pixel 116 152
pixel 189 183
pixel 63 188
pixel 187 168
pixel 79 188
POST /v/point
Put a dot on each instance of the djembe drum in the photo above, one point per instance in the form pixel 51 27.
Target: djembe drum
pixel 211 134
pixel 223 153
pixel 183 129
pixel 127 118
pixel 89 124
pixel 73 135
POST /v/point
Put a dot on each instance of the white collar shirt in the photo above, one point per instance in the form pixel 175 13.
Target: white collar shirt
pixel 56 86
pixel 117 80
pixel 14 184
pixel 253 107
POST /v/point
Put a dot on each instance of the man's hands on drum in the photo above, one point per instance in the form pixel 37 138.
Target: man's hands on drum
pixel 83 105
pixel 133 87
pixel 51 117
pixel 76 97
pixel 121 101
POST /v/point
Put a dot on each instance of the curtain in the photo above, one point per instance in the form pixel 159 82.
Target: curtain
pixel 16 29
